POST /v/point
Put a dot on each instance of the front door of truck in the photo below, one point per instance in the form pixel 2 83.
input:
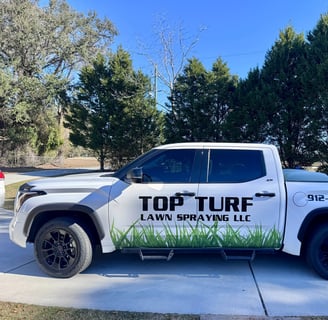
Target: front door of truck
pixel 239 198
pixel 151 212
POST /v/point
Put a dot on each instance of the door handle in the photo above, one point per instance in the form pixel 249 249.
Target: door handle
pixel 265 194
pixel 185 194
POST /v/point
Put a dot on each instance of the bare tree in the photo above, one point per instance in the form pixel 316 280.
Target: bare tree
pixel 173 47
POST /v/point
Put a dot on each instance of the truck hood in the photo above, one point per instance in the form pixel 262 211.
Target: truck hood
pixel 75 181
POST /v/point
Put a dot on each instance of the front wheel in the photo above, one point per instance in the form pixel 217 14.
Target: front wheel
pixel 317 251
pixel 62 248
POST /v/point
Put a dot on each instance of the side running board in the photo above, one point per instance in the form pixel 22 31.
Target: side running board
pixel 248 255
pixel 147 255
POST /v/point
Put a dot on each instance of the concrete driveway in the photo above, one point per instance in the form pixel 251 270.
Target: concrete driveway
pixel 272 285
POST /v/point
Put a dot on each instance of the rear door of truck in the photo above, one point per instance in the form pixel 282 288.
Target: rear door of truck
pixel 241 196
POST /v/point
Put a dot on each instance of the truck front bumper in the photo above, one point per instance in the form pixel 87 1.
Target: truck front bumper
pixel 16 232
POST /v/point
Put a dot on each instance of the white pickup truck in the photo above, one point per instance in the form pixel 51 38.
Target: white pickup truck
pixel 223 197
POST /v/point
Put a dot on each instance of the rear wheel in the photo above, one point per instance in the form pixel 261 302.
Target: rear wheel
pixel 62 248
pixel 317 251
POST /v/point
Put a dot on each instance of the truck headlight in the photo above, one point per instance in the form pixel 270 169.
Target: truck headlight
pixel 24 193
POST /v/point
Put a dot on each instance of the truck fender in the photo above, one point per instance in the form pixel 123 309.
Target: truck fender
pixel 47 212
pixel 315 217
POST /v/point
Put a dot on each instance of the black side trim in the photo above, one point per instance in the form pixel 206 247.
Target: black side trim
pixel 63 208
pixel 317 214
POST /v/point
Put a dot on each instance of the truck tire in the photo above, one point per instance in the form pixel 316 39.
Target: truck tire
pixel 317 251
pixel 62 248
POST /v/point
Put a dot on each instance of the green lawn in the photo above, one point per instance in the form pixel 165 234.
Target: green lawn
pixel 13 311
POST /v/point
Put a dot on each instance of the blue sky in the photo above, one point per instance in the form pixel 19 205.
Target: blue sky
pixel 238 31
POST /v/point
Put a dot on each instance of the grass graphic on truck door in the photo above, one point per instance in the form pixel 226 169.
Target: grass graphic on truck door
pixel 197 236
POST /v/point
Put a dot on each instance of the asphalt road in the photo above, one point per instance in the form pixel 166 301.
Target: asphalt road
pixel 272 285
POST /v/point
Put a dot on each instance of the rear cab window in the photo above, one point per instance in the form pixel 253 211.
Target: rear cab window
pixel 233 166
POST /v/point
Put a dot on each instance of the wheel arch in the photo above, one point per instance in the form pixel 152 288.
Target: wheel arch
pixel 314 219
pixel 83 215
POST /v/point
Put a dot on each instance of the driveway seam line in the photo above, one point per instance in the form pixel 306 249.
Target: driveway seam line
pixel 20 266
pixel 258 289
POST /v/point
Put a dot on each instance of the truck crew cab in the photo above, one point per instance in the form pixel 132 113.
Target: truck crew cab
pixel 226 197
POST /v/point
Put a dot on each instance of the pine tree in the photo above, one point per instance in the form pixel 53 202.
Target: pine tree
pixel 112 113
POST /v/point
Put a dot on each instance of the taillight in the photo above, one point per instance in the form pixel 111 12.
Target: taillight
pixel 2 175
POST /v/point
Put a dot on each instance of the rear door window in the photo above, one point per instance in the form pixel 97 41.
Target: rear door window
pixel 234 166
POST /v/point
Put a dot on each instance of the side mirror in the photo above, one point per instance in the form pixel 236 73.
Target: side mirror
pixel 135 175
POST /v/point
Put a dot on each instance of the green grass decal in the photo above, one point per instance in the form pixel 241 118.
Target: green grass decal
pixel 194 236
